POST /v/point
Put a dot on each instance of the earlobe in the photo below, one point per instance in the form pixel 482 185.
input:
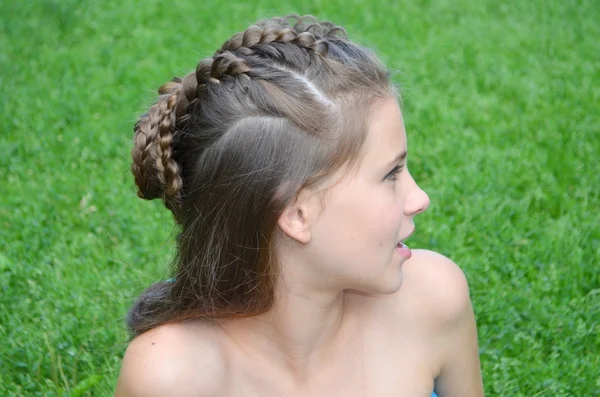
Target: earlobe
pixel 293 221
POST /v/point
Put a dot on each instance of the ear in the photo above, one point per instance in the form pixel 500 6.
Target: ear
pixel 294 220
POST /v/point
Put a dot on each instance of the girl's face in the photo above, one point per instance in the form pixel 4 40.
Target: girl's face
pixel 354 239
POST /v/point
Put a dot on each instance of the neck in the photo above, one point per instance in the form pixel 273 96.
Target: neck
pixel 301 334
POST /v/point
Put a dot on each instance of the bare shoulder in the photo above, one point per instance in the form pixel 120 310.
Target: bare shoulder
pixel 436 287
pixel 433 309
pixel 173 360
pixel 439 296
pixel 434 294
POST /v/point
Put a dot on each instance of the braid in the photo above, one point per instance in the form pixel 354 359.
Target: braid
pixel 156 173
pixel 310 36
pixel 212 70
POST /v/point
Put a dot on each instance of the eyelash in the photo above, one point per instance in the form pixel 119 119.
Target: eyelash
pixel 393 175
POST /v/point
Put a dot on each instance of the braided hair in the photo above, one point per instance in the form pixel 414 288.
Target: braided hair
pixel 276 109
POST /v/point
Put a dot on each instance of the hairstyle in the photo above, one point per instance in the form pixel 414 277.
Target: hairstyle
pixel 278 108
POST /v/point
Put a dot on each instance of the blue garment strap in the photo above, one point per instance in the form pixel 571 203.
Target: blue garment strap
pixel 433 394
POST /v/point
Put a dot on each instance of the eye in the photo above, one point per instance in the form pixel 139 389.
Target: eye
pixel 393 175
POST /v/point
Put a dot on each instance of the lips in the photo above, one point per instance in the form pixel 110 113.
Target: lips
pixel 403 250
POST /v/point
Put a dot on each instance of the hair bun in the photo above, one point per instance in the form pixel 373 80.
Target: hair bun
pixel 156 173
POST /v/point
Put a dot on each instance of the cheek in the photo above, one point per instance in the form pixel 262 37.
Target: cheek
pixel 361 219
pixel 375 219
pixel 386 214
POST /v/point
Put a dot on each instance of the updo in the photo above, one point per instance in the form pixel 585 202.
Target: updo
pixel 278 108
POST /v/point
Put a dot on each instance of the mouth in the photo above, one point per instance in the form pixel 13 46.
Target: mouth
pixel 403 249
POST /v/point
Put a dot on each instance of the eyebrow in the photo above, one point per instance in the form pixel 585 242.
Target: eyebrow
pixel 399 157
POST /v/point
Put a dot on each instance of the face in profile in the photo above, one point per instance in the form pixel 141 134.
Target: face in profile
pixel 355 238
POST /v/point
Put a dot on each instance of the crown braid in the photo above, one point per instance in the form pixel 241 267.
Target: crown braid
pixel 157 173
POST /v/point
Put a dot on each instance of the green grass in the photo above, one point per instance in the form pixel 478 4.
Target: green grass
pixel 501 106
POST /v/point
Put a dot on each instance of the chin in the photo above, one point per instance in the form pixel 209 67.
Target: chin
pixel 393 288
pixel 382 286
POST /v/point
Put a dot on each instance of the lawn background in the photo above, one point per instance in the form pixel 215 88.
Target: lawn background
pixel 501 102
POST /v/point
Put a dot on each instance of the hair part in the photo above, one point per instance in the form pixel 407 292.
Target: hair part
pixel 277 109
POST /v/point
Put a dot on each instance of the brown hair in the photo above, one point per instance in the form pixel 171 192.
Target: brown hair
pixel 278 108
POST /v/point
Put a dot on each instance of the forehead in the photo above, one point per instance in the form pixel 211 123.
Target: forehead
pixel 385 139
pixel 386 135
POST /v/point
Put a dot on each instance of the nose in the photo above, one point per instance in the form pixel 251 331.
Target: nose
pixel 417 201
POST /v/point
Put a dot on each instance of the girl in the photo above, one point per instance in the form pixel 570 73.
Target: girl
pixel 283 159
